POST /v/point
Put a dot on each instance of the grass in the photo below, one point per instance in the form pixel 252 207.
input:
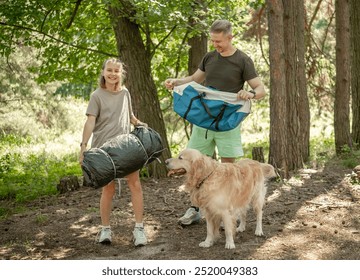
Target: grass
pixel 26 177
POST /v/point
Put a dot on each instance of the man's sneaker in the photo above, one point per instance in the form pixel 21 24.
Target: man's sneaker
pixel 105 236
pixel 139 236
pixel 191 216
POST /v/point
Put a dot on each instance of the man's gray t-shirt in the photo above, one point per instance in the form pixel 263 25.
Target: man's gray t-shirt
pixel 227 73
pixel 113 113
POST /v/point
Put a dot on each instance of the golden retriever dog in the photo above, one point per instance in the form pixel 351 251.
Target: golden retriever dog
pixel 223 191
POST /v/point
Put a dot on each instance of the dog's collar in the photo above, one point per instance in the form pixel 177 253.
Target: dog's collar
pixel 203 180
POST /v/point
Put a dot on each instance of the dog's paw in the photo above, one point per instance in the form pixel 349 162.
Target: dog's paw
pixel 240 228
pixel 229 245
pixel 259 233
pixel 205 244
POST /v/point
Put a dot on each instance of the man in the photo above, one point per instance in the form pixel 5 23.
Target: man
pixel 225 69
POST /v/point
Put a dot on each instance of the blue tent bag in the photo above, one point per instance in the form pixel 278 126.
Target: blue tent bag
pixel 208 108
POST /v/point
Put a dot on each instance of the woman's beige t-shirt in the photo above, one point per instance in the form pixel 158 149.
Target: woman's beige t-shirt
pixel 113 112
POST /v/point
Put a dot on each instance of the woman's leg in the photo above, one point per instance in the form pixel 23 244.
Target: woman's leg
pixel 136 195
pixel 138 206
pixel 106 203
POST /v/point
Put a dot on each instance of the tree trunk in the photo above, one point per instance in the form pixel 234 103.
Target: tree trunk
pixel 289 105
pixel 355 69
pixel 139 81
pixel 297 104
pixel 342 91
pixel 198 44
pixel 198 48
pixel 258 154
pixel 304 107
pixel 278 98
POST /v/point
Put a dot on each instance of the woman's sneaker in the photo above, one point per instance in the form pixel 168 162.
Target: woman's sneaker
pixel 139 236
pixel 191 216
pixel 105 236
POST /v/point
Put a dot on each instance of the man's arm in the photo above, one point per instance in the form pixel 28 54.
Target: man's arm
pixel 257 92
pixel 198 77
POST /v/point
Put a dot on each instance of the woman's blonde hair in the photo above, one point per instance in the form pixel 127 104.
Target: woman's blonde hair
pixel 102 79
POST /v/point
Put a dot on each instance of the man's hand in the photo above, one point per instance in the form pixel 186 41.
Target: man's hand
pixel 245 95
pixel 170 83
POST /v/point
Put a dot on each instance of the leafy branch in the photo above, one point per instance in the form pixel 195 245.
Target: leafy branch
pixel 57 39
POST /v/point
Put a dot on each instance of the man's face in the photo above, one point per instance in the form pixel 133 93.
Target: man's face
pixel 221 41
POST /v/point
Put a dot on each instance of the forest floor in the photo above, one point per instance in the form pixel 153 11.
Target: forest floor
pixel 314 215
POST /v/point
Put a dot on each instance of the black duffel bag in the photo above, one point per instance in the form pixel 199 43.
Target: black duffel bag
pixel 121 156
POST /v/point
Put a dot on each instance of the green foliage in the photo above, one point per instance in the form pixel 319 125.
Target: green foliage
pixel 27 109
pixel 71 46
pixel 26 177
pixel 38 132
pixel 82 91
pixel 350 158
pixel 321 150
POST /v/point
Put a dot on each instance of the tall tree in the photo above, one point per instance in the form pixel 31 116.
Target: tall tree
pixel 278 139
pixel 298 115
pixel 133 53
pixel 355 68
pixel 342 88
pixel 197 41
pixel 294 130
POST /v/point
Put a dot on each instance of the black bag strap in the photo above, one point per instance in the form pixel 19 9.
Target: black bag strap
pixel 200 96
pixel 205 106
pixel 217 118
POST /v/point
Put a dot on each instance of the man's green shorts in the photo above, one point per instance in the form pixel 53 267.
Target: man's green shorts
pixel 228 143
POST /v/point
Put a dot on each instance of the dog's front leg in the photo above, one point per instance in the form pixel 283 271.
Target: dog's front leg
pixel 210 234
pixel 258 230
pixel 228 221
pixel 242 217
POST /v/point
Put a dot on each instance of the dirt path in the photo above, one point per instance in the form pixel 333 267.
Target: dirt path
pixel 313 217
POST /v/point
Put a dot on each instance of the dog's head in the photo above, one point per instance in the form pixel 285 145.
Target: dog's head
pixel 183 163
pixel 191 162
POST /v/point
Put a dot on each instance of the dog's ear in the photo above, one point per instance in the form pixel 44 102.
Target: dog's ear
pixel 268 170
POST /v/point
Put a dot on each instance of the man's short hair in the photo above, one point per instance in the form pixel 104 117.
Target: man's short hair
pixel 221 25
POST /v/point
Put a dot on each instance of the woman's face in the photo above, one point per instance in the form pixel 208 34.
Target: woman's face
pixel 112 74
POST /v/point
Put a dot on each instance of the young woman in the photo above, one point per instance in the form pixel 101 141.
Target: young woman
pixel 109 113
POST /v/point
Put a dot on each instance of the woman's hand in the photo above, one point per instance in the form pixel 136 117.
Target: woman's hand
pixel 81 156
pixel 139 123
